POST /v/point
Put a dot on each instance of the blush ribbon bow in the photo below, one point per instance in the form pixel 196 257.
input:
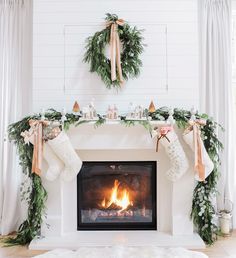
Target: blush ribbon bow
pixel 115 49
pixel 163 132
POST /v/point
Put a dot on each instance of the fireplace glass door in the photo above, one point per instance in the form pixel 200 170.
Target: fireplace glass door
pixel 117 195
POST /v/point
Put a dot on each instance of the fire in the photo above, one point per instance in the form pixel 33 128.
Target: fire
pixel 120 198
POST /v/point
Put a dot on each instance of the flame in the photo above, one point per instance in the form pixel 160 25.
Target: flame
pixel 123 202
pixel 103 203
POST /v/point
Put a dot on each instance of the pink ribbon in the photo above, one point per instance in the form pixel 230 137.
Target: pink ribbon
pixel 163 132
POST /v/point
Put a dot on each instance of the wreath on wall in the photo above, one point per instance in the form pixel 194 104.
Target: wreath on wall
pixel 122 64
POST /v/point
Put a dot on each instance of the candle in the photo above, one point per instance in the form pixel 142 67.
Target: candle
pixel 63 112
pixel 193 112
pixel 63 115
pixel 42 114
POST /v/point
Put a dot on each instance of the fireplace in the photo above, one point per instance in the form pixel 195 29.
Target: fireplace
pixel 117 196
pixel 115 142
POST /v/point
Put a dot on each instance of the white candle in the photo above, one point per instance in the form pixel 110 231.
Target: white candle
pixel 63 112
pixel 42 114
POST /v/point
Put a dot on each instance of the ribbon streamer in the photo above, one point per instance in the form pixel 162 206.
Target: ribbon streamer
pixel 37 133
pixel 199 167
pixel 40 131
pixel 115 49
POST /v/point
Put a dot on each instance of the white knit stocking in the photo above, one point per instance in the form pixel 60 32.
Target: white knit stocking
pixel 63 148
pixel 178 159
pixel 55 165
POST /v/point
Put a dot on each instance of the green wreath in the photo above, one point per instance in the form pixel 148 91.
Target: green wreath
pixel 132 46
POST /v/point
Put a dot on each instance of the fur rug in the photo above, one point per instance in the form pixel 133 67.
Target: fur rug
pixel 123 252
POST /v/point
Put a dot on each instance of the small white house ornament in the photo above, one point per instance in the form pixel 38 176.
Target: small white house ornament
pixel 112 113
pixel 135 112
pixel 89 112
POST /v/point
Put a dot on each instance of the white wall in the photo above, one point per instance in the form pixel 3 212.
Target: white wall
pixel 61 27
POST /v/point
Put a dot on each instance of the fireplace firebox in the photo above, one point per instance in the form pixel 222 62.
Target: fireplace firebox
pixel 117 196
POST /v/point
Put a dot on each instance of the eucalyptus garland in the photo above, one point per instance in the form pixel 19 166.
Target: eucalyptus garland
pixel 202 209
pixel 35 195
pixel 132 45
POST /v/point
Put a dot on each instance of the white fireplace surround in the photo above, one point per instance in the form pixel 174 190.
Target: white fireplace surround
pixel 115 142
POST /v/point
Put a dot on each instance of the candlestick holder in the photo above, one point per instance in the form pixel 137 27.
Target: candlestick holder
pixel 42 114
pixel 170 118
pixel 63 116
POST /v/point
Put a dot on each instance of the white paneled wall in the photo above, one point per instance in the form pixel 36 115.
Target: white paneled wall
pixel 60 76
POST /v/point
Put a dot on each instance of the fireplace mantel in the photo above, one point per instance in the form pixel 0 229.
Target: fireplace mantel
pixel 115 142
pixel 112 136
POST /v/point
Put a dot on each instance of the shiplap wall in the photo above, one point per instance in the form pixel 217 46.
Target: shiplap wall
pixel 60 30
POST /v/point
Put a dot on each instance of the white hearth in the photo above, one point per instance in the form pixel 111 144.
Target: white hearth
pixel 115 142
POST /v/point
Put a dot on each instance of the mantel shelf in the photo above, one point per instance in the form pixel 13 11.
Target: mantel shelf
pixel 119 122
pixel 113 135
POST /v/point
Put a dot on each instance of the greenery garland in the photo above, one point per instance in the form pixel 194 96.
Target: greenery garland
pixel 202 208
pixel 203 211
pixel 37 195
pixel 131 39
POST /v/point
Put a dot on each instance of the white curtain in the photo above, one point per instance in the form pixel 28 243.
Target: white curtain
pixel 216 91
pixel 15 100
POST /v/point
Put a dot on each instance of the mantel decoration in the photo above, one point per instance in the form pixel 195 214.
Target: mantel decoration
pixel 126 45
pixel 202 208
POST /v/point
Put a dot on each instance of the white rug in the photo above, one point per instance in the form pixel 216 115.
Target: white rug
pixel 123 252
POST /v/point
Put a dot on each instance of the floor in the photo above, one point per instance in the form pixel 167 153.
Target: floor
pixel 223 248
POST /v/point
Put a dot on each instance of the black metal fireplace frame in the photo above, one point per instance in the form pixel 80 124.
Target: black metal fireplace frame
pixel 120 226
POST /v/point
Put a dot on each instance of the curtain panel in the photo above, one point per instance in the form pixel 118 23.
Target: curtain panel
pixel 15 100
pixel 216 90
